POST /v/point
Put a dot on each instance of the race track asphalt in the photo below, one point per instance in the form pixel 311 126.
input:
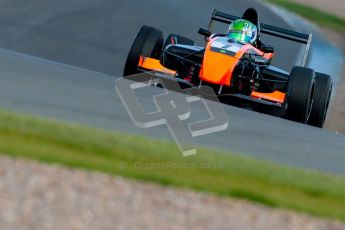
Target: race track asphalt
pixel 97 36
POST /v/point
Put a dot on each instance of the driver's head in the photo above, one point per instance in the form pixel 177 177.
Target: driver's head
pixel 242 31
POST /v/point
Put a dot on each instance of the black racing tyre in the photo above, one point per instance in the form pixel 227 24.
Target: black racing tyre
pixel 178 39
pixel 149 43
pixel 322 96
pixel 299 94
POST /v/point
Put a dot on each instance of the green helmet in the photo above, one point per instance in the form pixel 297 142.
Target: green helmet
pixel 242 31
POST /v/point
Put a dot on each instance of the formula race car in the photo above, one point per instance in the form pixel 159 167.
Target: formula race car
pixel 237 65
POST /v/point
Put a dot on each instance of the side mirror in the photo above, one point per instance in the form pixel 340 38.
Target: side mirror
pixel 267 49
pixel 204 32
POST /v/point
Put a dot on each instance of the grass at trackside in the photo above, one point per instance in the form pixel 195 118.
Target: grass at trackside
pixel 119 154
pixel 319 17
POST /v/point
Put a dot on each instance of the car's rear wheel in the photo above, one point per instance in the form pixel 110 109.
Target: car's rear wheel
pixel 299 95
pixel 148 43
pixel 322 96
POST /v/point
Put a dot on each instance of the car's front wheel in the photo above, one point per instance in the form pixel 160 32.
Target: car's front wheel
pixel 148 43
pixel 299 95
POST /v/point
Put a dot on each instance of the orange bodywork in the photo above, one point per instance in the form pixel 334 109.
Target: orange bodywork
pixel 276 96
pixel 154 64
pixel 218 67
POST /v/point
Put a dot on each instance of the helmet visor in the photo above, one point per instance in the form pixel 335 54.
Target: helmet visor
pixel 239 36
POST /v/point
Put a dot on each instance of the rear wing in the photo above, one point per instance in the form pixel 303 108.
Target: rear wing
pixel 267 29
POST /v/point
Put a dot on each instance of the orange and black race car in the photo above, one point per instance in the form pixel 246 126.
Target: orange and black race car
pixel 240 73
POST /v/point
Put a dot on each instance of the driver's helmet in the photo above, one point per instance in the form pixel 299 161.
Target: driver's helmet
pixel 242 31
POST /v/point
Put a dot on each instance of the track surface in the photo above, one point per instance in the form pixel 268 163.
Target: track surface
pixel 64 92
pixel 97 36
